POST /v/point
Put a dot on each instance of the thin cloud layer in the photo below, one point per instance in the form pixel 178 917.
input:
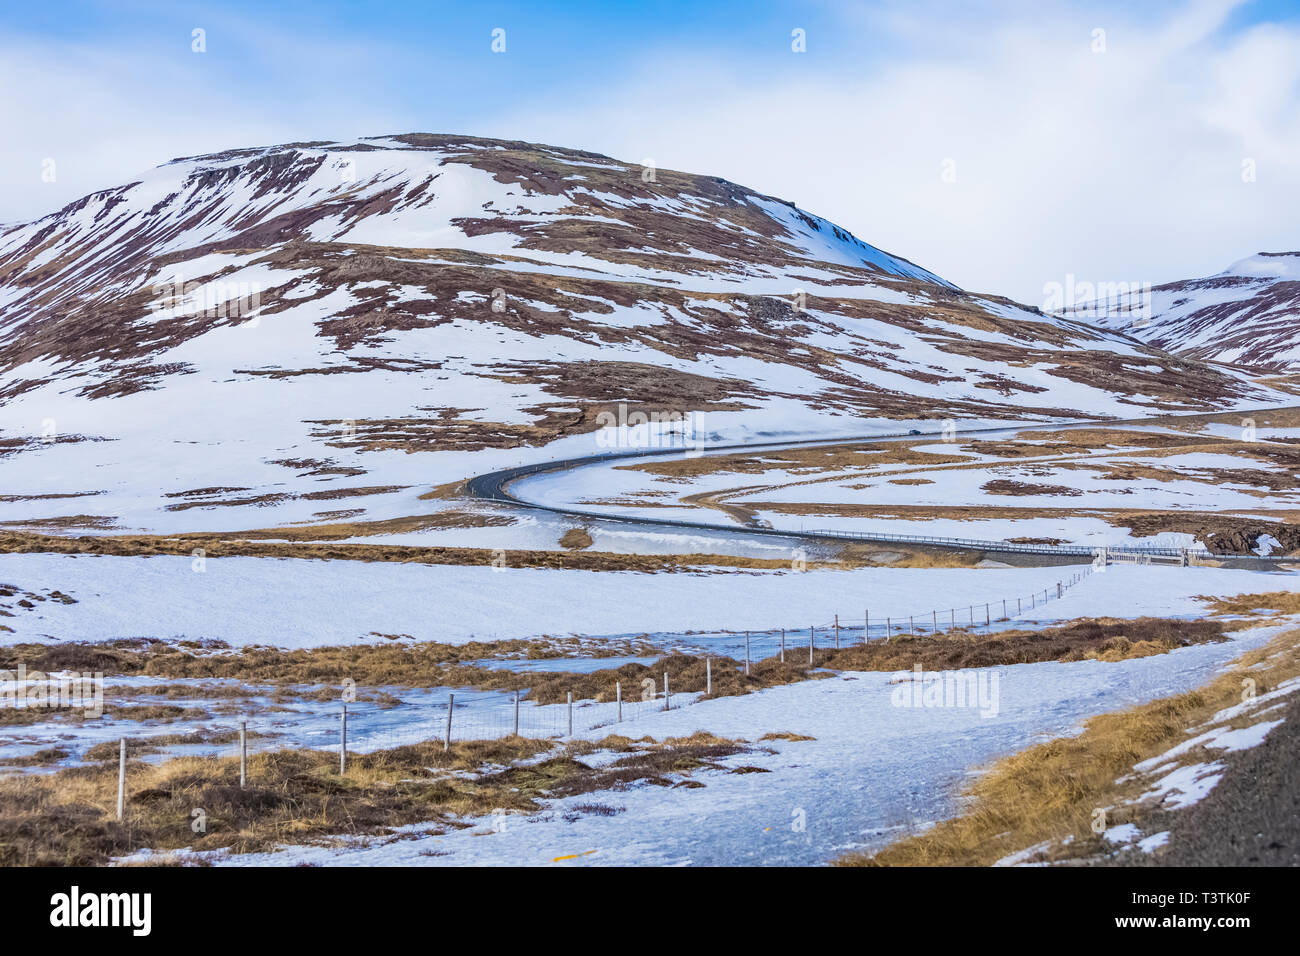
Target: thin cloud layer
pixel 1000 150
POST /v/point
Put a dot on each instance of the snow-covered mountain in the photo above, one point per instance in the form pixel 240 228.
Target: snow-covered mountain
pixel 1248 315
pixel 317 331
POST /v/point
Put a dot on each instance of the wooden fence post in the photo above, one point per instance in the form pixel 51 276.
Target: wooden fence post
pixel 746 654
pixel 570 693
pixel 782 645
pixel 243 754
pixel 121 778
pixel 516 712
pixel 343 742
pixel 708 676
pixel 618 696
pixel 837 632
pixel 666 704
pixel 451 705
pixel 812 640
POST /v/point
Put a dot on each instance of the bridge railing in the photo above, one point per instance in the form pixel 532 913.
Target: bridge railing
pixel 1019 547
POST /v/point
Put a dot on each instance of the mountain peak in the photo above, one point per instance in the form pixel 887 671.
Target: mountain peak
pixel 1248 315
pixel 476 195
pixel 379 306
pixel 1267 265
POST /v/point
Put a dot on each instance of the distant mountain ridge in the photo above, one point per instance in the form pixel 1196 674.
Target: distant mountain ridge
pixel 1247 315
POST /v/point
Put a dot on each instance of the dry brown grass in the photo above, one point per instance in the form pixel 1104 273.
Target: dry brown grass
pixel 576 539
pixel 424 664
pixel 1108 639
pixel 915 512
pixel 655 765
pixel 109 749
pixel 809 460
pixel 217 546
pixel 41 758
pixel 1007 486
pixel 451 490
pixel 220 546
pixel 337 531
pixel 411 665
pixel 1284 383
pixel 298 796
pixel 323 669
pixel 1049 792
pixel 64 523
pixel 1092 439
pixel 937 558
pixel 1271 604
pixel 686 673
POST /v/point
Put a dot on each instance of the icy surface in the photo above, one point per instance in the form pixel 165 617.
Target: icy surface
pixel 875 771
pixel 294 602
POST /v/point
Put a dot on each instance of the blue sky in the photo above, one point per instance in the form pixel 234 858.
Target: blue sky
pixel 1122 164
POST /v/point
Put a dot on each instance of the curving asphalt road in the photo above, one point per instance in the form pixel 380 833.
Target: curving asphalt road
pixel 495 486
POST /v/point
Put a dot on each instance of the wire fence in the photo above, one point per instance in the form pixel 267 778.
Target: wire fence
pixel 860 627
pixel 448 715
pixel 364 726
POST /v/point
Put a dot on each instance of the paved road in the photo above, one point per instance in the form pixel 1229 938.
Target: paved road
pixel 495 486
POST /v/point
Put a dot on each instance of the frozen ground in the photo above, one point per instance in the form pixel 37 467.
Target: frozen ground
pixel 541 530
pixel 292 716
pixel 874 771
pixel 1077 498
pixel 294 602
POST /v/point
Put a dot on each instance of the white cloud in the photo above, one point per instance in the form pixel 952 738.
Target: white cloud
pixel 1122 165
pixel 105 114
pixel 1119 166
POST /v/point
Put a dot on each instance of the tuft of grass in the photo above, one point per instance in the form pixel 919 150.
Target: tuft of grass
pixel 1253 605
pixel 576 539
pixel 278 543
pixel 1106 639
pixel 417 664
pixel 67 818
pixel 41 758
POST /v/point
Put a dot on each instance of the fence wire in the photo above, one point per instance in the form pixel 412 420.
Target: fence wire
pixel 445 715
